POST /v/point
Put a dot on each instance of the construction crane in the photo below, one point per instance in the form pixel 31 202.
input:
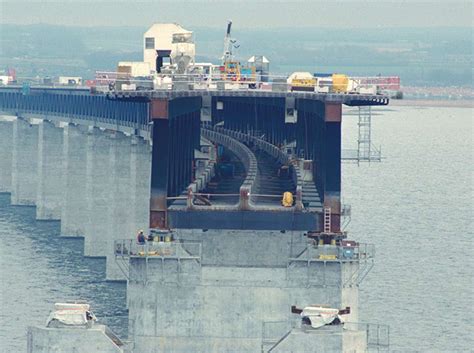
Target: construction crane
pixel 231 69
pixel 229 43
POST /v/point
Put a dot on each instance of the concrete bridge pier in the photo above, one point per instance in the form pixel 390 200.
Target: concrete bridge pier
pixel 130 197
pixel 73 211
pixel 49 194
pixel 122 209
pixel 100 169
pixel 243 279
pixel 140 172
pixel 24 162
pixel 6 140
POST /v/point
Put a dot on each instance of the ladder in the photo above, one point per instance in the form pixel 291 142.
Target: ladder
pixel 327 220
pixel 364 141
pixel 366 151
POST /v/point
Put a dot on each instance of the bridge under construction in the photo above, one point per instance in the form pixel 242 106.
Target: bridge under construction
pixel 239 196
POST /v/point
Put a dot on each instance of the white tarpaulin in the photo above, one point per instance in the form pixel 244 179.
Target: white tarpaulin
pixel 319 316
pixel 70 314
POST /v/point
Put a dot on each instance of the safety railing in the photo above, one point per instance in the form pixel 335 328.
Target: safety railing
pixel 349 252
pixel 127 248
pixel 274 332
pixel 220 81
pixel 377 335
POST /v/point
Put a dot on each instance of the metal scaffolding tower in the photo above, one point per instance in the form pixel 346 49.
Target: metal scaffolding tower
pixel 366 150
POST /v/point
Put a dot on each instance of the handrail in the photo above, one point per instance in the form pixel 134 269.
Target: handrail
pixel 342 252
pixel 158 249
pixel 377 335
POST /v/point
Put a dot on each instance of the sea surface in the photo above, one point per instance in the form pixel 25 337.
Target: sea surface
pixel 416 207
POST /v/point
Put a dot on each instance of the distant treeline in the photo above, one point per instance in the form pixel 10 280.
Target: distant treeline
pixel 421 56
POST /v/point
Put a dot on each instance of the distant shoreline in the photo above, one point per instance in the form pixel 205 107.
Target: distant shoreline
pixel 462 103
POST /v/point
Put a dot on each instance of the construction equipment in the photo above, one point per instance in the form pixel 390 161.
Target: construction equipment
pixel 340 83
pixel 229 43
pixel 231 69
pixel 302 81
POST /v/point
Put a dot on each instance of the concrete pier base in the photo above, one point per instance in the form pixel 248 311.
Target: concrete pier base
pixel 73 211
pixel 6 139
pixel 97 339
pixel 24 162
pixel 218 299
pixel 50 172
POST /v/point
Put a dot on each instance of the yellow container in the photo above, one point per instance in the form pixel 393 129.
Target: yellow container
pixel 287 200
pixel 340 83
pixel 327 257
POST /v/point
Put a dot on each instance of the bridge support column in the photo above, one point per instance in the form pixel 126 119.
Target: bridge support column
pixel 140 174
pixel 332 162
pixel 100 168
pixel 24 162
pixel 49 190
pixel 122 208
pixel 6 141
pixel 74 211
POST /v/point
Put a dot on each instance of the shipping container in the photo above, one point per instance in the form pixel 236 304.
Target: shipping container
pixel 340 83
pixel 70 80
pixel 134 68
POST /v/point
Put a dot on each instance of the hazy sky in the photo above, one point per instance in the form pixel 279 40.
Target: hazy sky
pixel 244 13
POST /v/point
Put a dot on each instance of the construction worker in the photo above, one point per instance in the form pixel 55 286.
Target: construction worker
pixel 141 237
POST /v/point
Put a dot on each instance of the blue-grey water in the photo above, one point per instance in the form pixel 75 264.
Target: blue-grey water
pixel 39 268
pixel 416 206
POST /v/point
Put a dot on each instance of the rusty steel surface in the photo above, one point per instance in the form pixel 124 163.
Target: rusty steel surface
pixel 333 112
pixel 159 109
pixel 158 220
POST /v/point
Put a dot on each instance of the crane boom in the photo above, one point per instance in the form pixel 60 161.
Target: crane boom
pixel 227 56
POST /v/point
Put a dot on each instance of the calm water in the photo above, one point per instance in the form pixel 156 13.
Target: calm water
pixel 416 206
pixel 38 268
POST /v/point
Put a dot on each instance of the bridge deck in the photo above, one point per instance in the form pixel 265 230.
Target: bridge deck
pixel 344 98
pixel 222 194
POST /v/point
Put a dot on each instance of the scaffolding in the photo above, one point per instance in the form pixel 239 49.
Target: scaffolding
pixel 308 265
pixel 174 251
pixel 366 150
pixel 377 335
